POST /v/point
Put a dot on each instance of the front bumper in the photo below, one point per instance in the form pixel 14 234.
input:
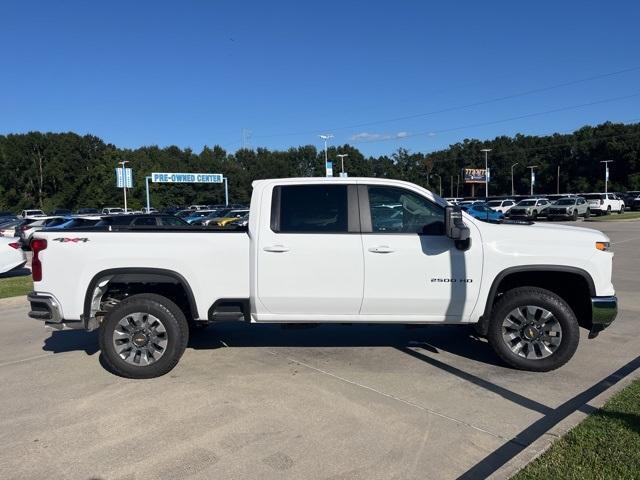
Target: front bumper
pixel 603 312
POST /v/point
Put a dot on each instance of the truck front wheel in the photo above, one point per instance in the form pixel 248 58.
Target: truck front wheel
pixel 144 336
pixel 533 329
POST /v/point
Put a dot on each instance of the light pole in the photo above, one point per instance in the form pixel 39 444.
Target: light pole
pixel 124 183
pixel 486 171
pixel 439 182
pixel 146 184
pixel 325 137
pixel 512 189
pixel 533 177
pixel 341 157
pixel 606 174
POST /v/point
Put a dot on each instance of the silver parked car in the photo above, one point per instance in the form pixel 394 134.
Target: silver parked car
pixel 529 209
pixel 569 208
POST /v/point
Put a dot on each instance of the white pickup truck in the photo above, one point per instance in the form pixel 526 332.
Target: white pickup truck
pixel 319 250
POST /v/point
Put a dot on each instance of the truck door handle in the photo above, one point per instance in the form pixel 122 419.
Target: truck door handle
pixel 276 248
pixel 381 249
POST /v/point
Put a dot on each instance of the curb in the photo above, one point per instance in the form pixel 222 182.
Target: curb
pixel 541 445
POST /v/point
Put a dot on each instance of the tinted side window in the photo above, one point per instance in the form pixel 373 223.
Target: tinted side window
pixel 313 209
pixel 396 210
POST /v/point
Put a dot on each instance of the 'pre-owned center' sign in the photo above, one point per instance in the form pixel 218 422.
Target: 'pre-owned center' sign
pixel 159 177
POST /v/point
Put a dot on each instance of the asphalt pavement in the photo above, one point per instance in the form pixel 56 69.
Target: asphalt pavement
pixel 339 402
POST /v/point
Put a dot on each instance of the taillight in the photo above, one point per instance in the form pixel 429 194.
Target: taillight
pixel 37 245
pixel 15 245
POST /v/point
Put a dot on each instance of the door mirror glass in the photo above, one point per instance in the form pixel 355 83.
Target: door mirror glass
pixel 454 225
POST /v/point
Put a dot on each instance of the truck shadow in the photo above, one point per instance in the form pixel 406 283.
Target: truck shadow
pixel 62 341
pixel 459 340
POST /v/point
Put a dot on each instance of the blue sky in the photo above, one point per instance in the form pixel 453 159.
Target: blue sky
pixel 379 75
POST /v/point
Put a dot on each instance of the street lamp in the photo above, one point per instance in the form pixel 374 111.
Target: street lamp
pixel 486 171
pixel 124 183
pixel 512 189
pixel 606 173
pixel 325 137
pixel 439 182
pixel 533 177
pixel 341 156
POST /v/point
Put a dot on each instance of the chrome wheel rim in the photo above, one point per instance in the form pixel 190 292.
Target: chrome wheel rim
pixel 140 339
pixel 532 332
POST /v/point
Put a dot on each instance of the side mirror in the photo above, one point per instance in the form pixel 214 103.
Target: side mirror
pixel 454 225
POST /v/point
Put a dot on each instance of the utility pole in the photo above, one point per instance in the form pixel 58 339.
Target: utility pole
pixel 124 183
pixel 146 184
pixel 341 157
pixel 533 177
pixel 486 172
pixel 326 137
pixel 512 189
pixel 606 174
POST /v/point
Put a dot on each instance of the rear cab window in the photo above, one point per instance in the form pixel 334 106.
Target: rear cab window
pixel 310 209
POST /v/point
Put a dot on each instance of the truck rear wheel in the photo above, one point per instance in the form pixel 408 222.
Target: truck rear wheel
pixel 144 336
pixel 533 329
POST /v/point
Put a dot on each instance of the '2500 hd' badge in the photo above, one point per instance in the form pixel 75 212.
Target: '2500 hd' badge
pixel 71 240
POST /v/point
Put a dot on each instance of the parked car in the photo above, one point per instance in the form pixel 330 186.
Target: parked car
pixel 88 211
pixel 529 209
pixel 26 229
pixel 141 220
pixel 229 217
pixel 7 217
pixel 198 207
pixel 149 210
pixel 313 253
pixel 604 203
pixel 197 216
pixel 76 222
pixel 32 213
pixel 11 254
pixel 482 212
pixel 454 200
pixel 113 211
pixel 501 206
pixel 635 205
pixel 569 208
pixel 8 229
pixel 239 222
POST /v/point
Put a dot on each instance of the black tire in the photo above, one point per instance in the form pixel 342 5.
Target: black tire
pixel 587 214
pixel 173 320
pixel 538 297
pixel 621 210
pixel 575 216
pixel 608 210
pixel 534 215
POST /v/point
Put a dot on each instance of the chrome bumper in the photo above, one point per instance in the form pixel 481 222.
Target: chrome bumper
pixel 603 312
pixel 44 308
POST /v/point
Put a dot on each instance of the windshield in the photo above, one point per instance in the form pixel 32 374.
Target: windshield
pixel 116 210
pixel 566 201
pixel 527 203
pixel 593 196
pixel 494 203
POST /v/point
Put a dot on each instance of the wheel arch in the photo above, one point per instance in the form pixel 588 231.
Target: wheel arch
pixel 139 276
pixel 555 278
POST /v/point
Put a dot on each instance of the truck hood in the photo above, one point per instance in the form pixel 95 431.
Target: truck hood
pixel 541 239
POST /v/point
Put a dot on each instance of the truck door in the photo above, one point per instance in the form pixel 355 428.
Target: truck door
pixel 411 267
pixel 310 259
